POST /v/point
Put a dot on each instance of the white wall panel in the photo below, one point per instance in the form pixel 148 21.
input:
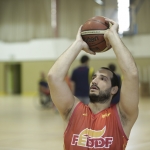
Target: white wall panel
pixel 50 49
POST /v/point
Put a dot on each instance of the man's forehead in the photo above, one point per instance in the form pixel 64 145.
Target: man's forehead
pixel 105 72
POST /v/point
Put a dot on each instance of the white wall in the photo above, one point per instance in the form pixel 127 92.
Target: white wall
pixel 50 49
pixel 41 49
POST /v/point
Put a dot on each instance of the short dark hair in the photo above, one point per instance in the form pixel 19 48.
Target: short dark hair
pixel 84 59
pixel 114 80
pixel 112 67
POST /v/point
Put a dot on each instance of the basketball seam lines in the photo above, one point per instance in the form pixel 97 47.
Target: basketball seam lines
pixel 100 22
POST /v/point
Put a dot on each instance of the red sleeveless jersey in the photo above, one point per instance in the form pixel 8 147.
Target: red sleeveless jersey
pixel 88 131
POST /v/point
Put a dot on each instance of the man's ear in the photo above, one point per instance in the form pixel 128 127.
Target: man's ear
pixel 114 90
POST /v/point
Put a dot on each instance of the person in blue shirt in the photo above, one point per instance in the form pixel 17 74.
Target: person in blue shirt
pixel 80 79
pixel 44 91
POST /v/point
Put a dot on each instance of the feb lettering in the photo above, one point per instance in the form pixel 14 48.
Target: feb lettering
pixel 92 139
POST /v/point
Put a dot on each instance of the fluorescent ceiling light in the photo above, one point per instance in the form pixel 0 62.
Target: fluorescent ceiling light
pixel 100 2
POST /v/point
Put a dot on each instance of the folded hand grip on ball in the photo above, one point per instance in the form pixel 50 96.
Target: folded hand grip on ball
pixel 93 31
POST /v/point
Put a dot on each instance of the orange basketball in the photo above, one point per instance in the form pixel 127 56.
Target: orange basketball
pixel 92 33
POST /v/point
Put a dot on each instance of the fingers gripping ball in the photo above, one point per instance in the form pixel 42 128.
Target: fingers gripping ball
pixel 92 33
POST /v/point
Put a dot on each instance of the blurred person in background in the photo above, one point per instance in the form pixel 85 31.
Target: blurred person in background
pixel 80 78
pixel 44 91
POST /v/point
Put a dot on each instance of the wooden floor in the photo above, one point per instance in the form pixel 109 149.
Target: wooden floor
pixel 26 126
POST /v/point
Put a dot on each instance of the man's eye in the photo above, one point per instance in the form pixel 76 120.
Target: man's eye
pixel 93 77
pixel 102 78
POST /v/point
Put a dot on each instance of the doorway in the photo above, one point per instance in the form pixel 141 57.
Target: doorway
pixel 13 78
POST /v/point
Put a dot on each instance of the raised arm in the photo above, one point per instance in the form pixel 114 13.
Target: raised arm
pixel 129 97
pixel 61 94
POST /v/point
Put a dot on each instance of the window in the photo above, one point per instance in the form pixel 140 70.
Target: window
pixel 123 15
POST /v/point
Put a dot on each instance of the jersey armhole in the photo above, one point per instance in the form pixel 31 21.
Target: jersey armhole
pixel 119 122
pixel 70 120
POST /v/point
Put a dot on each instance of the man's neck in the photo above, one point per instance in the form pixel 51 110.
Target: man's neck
pixel 97 107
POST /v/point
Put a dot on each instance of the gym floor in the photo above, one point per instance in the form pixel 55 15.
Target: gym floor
pixel 25 125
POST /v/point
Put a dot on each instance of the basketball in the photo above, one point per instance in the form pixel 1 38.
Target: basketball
pixel 92 33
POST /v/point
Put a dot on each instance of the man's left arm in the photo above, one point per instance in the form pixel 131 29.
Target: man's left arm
pixel 129 96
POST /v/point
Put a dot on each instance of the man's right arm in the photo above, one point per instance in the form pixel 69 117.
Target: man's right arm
pixel 60 92
pixel 73 82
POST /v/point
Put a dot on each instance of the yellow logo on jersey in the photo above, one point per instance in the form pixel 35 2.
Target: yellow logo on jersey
pixel 92 139
pixel 84 114
pixel 106 115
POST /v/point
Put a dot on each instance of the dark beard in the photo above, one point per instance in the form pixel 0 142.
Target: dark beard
pixel 103 97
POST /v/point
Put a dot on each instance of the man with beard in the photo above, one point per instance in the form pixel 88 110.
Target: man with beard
pixel 103 96
pixel 98 125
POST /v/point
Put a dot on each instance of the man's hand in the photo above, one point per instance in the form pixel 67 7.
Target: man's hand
pixel 110 32
pixel 84 45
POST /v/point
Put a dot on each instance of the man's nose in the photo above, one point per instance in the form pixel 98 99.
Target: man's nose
pixel 94 81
